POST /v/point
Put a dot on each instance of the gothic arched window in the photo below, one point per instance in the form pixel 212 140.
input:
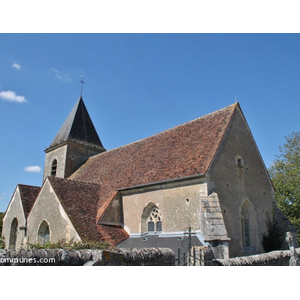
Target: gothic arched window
pixel 151 219
pixel 54 167
pixel 44 233
pixel 13 234
pixel 154 220
pixel 245 227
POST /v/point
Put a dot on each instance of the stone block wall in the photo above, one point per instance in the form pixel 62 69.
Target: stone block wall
pixel 48 257
pixel 138 257
pixel 274 258
pixel 88 257
pixel 134 257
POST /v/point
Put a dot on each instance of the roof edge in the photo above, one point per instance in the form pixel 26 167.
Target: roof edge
pixel 76 142
pixel 162 182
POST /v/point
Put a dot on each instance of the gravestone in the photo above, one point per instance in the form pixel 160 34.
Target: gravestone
pixel 291 238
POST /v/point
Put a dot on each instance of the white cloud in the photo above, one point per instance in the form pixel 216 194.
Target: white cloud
pixel 12 97
pixel 60 76
pixel 33 169
pixel 16 66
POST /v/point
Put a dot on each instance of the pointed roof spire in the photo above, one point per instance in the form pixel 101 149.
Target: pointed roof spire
pixel 78 128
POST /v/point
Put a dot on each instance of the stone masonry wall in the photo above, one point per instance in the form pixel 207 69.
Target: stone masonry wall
pixel 88 257
pixel 133 257
pixel 274 258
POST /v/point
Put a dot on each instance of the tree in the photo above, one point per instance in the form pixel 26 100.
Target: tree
pixel 285 174
pixel 1 222
pixel 2 245
pixel 275 237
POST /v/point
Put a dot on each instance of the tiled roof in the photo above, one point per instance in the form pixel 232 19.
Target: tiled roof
pixel 80 200
pixel 28 195
pixel 182 151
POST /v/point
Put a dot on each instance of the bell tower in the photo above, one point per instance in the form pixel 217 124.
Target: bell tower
pixel 76 141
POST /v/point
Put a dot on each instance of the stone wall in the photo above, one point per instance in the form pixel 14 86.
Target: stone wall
pixel 138 257
pixel 240 177
pixel 274 258
pixel 48 207
pixel 14 210
pixel 48 257
pixel 170 198
pixel 88 257
pixel 134 257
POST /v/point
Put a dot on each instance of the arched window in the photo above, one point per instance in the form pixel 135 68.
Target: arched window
pixel 13 234
pixel 44 233
pixel 54 167
pixel 245 227
pixel 154 220
pixel 151 219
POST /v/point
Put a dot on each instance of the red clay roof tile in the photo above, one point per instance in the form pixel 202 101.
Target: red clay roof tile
pixel 182 151
pixel 28 195
pixel 80 201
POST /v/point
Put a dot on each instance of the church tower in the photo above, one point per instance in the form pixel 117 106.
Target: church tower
pixel 76 141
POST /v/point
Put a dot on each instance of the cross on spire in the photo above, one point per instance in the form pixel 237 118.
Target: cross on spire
pixel 82 82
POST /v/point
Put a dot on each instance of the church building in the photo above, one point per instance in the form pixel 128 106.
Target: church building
pixel 205 176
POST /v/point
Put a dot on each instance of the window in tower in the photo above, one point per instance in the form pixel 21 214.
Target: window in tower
pixel 54 167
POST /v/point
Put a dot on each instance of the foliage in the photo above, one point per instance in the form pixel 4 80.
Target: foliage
pixel 274 239
pixel 285 174
pixel 1 221
pixel 62 244
pixel 2 244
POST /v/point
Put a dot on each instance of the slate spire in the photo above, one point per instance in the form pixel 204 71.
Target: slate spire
pixel 78 128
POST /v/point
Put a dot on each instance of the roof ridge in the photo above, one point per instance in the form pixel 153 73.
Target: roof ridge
pixel 165 131
pixel 28 185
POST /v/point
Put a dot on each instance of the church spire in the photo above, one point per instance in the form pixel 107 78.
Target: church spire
pixel 76 141
pixel 78 128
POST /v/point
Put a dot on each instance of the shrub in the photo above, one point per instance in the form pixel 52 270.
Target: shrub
pixel 275 237
pixel 2 244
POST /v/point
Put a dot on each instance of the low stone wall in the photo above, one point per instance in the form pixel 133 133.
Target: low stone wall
pixel 138 257
pixel 202 256
pixel 60 257
pixel 48 257
pixel 274 258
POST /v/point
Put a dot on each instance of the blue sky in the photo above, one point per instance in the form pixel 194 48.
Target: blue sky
pixel 137 85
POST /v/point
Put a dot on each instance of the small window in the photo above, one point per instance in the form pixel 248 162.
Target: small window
pixel 54 167
pixel 159 226
pixel 240 162
pixel 151 226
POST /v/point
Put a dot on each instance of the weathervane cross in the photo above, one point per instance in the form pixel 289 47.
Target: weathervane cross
pixel 82 82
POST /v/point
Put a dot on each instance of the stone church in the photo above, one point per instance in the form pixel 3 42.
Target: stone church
pixel 206 176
